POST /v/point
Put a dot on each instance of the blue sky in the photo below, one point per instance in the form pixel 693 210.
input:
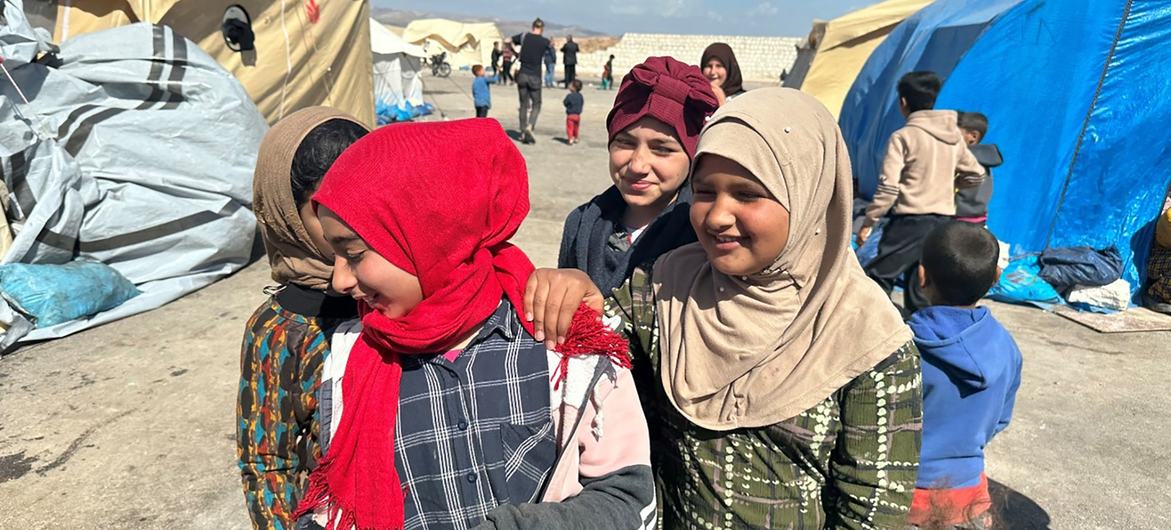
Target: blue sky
pixel 728 17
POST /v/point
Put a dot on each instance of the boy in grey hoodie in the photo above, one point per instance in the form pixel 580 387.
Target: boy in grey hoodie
pixel 925 162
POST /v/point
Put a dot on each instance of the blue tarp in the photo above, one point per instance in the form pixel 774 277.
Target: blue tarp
pixel 1078 95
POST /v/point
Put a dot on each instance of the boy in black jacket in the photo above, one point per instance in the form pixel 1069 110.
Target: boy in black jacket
pixel 574 105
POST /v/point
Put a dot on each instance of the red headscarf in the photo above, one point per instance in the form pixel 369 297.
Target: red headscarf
pixel 670 91
pixel 447 220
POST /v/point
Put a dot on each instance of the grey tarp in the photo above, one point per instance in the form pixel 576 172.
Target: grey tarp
pixel 136 149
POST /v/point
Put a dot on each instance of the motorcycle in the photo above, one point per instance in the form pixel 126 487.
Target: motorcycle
pixel 439 65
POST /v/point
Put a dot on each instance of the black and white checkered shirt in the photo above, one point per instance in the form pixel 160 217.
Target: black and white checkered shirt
pixel 476 432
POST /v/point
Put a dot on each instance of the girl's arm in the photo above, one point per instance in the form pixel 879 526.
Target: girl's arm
pixel 618 487
pixel 876 459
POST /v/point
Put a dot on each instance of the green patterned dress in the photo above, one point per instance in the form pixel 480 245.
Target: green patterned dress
pixel 849 462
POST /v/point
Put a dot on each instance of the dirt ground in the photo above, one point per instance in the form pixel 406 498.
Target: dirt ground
pixel 131 425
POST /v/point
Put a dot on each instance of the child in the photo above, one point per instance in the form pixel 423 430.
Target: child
pixel 782 386
pixel 453 415
pixel 925 161
pixel 972 203
pixel 971 373
pixel 481 94
pixel 506 57
pixel 574 104
pixel 287 337
pixel 653 131
pixel 608 74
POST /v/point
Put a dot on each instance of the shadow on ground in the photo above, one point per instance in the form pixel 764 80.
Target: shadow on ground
pixel 1011 509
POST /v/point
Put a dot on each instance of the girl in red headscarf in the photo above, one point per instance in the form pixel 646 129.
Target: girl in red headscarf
pixel 454 415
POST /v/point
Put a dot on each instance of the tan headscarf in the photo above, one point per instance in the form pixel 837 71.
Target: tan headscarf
pixel 291 253
pixel 756 350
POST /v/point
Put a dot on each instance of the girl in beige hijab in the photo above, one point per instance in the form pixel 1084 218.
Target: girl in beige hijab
pixel 783 386
pixel 287 337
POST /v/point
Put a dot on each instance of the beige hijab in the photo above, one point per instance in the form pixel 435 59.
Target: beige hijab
pixel 756 350
pixel 293 256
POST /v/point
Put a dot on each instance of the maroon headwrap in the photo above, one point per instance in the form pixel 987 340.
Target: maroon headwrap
pixel 672 92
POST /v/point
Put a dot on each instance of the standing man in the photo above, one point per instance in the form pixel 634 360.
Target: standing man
pixel 550 65
pixel 569 59
pixel 528 81
pixel 496 53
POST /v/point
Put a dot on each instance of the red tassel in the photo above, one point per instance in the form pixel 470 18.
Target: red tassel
pixel 589 336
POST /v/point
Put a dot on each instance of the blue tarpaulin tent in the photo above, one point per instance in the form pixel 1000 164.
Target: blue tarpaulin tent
pixel 1078 96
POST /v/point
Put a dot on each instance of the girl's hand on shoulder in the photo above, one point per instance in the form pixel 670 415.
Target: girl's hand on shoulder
pixel 551 298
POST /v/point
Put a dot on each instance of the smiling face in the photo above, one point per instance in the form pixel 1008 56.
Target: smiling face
pixel 741 226
pixel 364 274
pixel 648 166
pixel 715 71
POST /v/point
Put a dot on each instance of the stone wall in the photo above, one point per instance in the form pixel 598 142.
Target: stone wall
pixel 762 59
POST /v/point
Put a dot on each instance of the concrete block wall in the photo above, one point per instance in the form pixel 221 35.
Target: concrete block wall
pixel 762 59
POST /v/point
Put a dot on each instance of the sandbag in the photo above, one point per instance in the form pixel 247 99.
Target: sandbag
pixel 53 294
pixel 1021 283
pixel 1065 268
pixel 1158 293
pixel 1104 299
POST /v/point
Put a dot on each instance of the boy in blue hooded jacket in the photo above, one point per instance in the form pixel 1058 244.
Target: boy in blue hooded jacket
pixel 971 373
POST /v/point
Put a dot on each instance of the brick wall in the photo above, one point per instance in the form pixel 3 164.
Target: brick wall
pixel 761 59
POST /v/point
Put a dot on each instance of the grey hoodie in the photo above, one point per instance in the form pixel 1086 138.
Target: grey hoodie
pixel 925 162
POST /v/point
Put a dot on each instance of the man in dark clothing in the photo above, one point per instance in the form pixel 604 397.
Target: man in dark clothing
pixel 496 53
pixel 550 65
pixel 528 81
pixel 569 59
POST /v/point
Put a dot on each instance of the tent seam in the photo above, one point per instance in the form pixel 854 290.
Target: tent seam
pixel 1086 122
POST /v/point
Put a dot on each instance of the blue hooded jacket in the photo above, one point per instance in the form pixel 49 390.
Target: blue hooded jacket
pixel 481 95
pixel 971 373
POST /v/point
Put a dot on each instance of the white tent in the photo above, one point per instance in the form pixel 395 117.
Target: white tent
pixel 466 44
pixel 397 67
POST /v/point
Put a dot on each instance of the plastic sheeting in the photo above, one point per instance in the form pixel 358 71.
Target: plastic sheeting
pixel 1077 99
pixel 137 151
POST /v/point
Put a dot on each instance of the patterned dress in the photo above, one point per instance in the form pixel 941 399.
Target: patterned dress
pixel 848 462
pixel 285 343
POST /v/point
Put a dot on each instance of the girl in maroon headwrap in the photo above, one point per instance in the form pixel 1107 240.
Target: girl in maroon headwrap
pixel 653 127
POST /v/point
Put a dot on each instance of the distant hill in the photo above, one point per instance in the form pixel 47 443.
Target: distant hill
pixel 402 17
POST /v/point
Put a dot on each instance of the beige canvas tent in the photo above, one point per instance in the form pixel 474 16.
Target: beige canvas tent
pixel 397 67
pixel 466 44
pixel 310 52
pixel 843 45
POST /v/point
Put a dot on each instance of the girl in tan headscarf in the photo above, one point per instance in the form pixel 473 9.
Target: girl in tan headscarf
pixel 287 337
pixel 783 385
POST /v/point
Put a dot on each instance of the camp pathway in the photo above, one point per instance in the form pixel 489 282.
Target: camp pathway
pixel 131 425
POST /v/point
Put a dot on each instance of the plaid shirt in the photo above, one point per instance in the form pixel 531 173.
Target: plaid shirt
pixel 477 432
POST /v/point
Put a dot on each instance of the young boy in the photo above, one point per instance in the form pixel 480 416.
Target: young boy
pixel 574 104
pixel 608 74
pixel 972 203
pixel 925 161
pixel 481 95
pixel 971 373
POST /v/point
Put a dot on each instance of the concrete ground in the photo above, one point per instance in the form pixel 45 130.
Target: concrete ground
pixel 131 425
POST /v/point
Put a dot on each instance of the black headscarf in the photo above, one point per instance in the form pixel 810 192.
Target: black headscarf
pixel 733 83
pixel 585 244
